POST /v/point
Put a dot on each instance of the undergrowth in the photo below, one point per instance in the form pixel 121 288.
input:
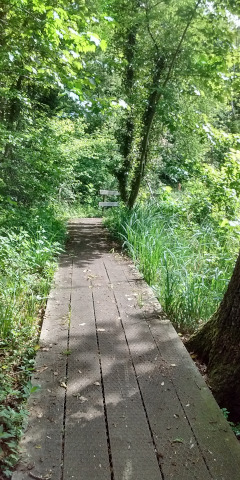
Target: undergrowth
pixel 234 426
pixel 30 241
pixel 187 263
pixel 69 210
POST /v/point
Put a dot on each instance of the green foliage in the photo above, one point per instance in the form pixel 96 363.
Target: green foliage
pixel 30 240
pixel 97 157
pixel 79 81
pixel 43 46
pixel 10 432
pixel 57 159
pixel 68 210
pixel 171 71
pixel 185 255
pixel 234 426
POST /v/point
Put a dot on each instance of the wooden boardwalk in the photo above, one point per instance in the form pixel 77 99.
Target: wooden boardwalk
pixel 120 397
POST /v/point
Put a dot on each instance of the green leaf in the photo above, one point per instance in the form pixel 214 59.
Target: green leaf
pixel 178 440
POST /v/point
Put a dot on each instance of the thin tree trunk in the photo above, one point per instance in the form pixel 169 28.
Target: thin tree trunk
pixel 127 135
pixel 148 118
pixel 150 112
pixel 13 114
pixel 15 104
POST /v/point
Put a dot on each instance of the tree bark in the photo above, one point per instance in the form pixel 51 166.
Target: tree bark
pixel 218 344
pixel 147 122
pixel 127 133
pixel 13 115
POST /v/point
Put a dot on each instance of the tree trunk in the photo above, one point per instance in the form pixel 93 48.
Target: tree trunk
pixel 13 115
pixel 148 118
pixel 127 134
pixel 218 344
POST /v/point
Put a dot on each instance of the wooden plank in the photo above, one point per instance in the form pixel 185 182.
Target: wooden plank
pixel 86 450
pixel 42 442
pixel 125 412
pixel 109 192
pixel 88 254
pixel 108 204
pixel 125 271
pixel 216 441
pixel 218 444
pixel 176 444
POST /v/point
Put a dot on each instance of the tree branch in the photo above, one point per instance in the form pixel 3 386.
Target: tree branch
pixel 180 44
pixel 156 4
pixel 149 30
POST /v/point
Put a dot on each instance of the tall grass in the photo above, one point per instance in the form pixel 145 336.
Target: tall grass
pixel 187 264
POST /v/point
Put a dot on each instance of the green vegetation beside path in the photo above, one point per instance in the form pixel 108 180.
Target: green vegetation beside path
pixel 139 97
pixel 30 241
pixel 187 263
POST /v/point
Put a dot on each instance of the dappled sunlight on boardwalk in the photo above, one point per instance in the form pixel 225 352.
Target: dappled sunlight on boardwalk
pixel 120 397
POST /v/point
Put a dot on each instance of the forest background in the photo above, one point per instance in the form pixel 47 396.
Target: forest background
pixel 142 97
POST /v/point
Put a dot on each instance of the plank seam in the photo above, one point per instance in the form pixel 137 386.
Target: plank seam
pixel 66 380
pixel 176 392
pixel 172 382
pixel 182 406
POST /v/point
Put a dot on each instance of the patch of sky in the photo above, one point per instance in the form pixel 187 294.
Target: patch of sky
pixel 74 97
pixel 122 103
pixel 95 40
pixel 235 19
pixel 73 31
pixel 196 91
pixel 59 34
pixel 74 54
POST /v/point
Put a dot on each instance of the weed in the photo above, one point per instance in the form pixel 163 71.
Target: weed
pixel 67 352
pixel 234 426
pixel 140 300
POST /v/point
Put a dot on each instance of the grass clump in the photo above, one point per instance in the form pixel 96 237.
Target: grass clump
pixel 187 263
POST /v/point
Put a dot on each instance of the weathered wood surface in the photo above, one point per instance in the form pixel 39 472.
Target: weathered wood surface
pixel 108 204
pixel 114 193
pixel 120 397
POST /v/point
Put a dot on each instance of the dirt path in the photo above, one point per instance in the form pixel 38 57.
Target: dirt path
pixel 120 397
